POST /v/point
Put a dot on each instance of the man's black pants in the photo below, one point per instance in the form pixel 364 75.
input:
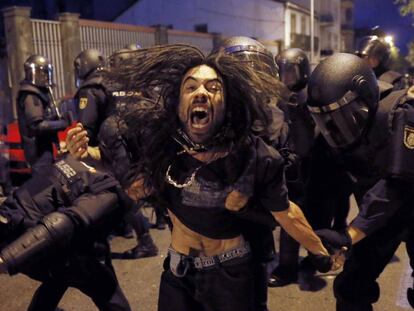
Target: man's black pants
pixel 228 286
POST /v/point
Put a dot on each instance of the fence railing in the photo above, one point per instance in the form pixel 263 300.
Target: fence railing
pixel 109 37
pixel 106 37
pixel 203 41
pixel 47 42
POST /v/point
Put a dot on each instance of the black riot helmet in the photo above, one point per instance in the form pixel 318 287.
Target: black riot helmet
pixel 294 68
pixel 343 97
pixel 374 47
pixel 119 56
pixel 133 46
pixel 250 50
pixel 38 71
pixel 87 62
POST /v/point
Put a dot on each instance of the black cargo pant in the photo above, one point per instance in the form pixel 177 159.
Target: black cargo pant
pixel 92 277
pixel 355 288
pixel 225 287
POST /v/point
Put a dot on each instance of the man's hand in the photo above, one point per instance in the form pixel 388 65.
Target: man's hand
pixel 335 241
pixel 77 142
pixel 236 200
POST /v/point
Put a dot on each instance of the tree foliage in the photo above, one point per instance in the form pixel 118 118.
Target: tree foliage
pixel 406 7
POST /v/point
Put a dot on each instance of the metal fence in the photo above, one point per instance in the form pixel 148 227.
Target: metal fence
pixel 202 41
pixel 109 37
pixel 47 42
pixel 106 37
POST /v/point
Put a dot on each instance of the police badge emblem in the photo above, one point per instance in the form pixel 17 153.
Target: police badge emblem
pixel 83 102
pixel 409 137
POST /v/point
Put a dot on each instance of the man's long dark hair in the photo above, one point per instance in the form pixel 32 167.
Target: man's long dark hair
pixel 157 72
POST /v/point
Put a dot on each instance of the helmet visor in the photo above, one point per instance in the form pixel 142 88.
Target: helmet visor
pixel 290 75
pixel 259 61
pixel 42 75
pixel 342 123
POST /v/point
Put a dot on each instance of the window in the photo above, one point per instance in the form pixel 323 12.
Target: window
pixel 201 28
pixel 293 22
pixel 348 15
pixel 303 25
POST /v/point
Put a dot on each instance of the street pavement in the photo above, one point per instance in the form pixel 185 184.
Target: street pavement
pixel 140 278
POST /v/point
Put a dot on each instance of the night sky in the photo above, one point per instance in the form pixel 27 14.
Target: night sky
pixel 369 13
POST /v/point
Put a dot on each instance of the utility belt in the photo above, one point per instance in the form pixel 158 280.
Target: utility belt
pixel 180 264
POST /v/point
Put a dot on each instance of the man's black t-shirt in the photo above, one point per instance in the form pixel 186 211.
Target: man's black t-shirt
pixel 254 170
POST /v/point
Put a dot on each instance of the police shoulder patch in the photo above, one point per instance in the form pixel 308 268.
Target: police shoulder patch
pixel 83 102
pixel 409 137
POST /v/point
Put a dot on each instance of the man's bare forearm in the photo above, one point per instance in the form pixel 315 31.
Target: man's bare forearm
pixel 294 222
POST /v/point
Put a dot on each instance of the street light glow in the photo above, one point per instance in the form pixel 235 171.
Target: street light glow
pixel 389 40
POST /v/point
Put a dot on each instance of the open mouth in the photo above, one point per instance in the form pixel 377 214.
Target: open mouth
pixel 200 117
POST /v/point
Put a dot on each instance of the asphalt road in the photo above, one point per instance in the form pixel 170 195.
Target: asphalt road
pixel 140 278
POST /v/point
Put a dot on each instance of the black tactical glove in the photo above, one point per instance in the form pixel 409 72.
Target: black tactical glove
pixel 334 240
pixel 321 263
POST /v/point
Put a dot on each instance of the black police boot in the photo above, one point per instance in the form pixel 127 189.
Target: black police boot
pixel 160 224
pixel 282 276
pixel 145 248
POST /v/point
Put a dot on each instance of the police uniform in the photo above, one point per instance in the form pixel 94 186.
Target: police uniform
pixel 382 173
pixel 55 227
pixel 93 104
pixel 38 123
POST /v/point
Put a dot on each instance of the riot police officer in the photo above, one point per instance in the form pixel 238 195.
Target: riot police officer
pixel 91 97
pixel 256 55
pixel 294 72
pixel 54 227
pixel 377 53
pixel 116 156
pixel 38 117
pixel 371 141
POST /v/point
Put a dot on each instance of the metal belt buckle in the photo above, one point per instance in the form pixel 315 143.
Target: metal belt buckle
pixel 178 264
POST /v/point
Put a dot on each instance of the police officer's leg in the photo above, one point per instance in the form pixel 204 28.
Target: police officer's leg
pixel 101 285
pixel 146 246
pixel 287 270
pixel 355 288
pixel 48 295
pixel 160 223
pixel 410 251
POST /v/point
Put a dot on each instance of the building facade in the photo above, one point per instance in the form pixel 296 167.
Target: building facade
pixel 298 27
pixel 259 19
pixel 347 26
pixel 330 26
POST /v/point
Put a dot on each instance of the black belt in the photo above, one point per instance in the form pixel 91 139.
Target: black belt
pixel 179 263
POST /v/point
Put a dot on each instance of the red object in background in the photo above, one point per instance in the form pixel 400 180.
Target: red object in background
pixel 18 164
pixel 13 140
